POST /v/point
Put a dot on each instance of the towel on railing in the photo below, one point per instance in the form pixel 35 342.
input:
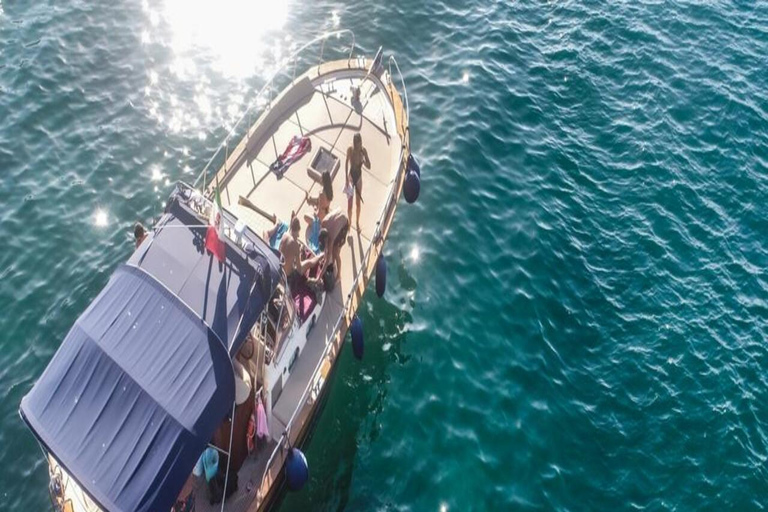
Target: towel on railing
pixel 297 148
pixel 207 464
pixel 261 420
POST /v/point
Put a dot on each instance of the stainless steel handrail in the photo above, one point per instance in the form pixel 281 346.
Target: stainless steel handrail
pixel 293 57
pixel 392 60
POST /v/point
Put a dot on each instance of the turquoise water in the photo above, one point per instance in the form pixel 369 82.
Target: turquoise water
pixel 576 316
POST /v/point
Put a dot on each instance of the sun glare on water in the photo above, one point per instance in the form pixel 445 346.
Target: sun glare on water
pixel 232 30
pixel 210 50
pixel 157 174
pixel 100 218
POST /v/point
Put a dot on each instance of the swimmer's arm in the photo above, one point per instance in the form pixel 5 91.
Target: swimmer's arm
pixel 366 160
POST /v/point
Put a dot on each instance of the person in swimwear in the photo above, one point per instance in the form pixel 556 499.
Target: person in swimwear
pixel 357 157
pixel 322 202
pixel 285 238
pixel 332 238
pixel 337 225
pixel 290 248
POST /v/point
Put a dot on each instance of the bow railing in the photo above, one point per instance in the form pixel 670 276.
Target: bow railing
pixel 258 99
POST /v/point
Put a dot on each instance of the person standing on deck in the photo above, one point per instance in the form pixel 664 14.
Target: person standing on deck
pixel 337 225
pixel 357 156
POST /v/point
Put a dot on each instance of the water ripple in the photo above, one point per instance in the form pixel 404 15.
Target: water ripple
pixel 576 313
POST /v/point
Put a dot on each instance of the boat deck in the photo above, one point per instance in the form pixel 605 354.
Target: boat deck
pixel 248 479
pixel 321 108
pixel 325 115
pixel 305 367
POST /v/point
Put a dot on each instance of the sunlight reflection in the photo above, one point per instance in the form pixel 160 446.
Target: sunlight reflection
pixel 100 218
pixel 184 68
pixel 232 29
pixel 201 62
pixel 415 253
pixel 230 39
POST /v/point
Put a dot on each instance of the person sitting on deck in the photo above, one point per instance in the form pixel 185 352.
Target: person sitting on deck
pixel 357 156
pixel 279 233
pixel 322 204
pixel 290 248
pixel 317 257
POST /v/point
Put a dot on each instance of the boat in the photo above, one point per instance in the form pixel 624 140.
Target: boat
pixel 193 379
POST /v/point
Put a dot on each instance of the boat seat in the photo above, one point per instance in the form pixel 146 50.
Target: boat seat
pixel 309 358
pixel 305 301
pixel 304 298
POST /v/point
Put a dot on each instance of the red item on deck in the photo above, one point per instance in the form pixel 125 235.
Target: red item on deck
pixel 297 148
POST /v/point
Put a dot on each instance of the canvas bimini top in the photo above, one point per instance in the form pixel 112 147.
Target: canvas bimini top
pixel 144 377
pixel 229 296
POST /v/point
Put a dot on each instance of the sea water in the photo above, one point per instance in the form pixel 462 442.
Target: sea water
pixel 576 316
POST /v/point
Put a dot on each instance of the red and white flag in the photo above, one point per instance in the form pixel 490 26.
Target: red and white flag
pixel 214 237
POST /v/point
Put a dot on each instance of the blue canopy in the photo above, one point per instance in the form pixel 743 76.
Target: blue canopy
pixel 220 294
pixel 144 377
